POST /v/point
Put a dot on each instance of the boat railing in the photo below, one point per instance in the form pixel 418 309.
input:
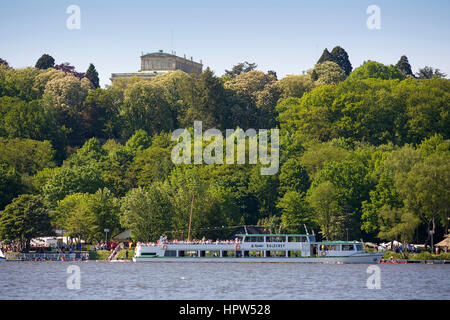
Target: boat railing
pixel 187 243
pixel 52 256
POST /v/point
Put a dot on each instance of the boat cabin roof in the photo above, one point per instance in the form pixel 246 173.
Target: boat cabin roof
pixel 339 242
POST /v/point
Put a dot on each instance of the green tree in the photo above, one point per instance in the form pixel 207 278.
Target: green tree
pixel 253 99
pixel 100 114
pixel 30 120
pixel 145 107
pixel 240 68
pixel 105 209
pixel 384 198
pixel 327 72
pixel 25 218
pixel 351 183
pixel 45 61
pixel 397 223
pixel 327 212
pixel 340 56
pixel 371 110
pixel 318 155
pixel 19 83
pixel 426 190
pixel 208 105
pixel 295 212
pixel 234 182
pixel 10 184
pixel 73 215
pixel 3 62
pixel 271 224
pixel 89 154
pixel 92 75
pixel 189 198
pixel 65 96
pixel 147 214
pixel 61 182
pixel 25 155
pixel 434 145
pixel 152 164
pixel 138 142
pixel 373 69
pixel 117 170
pixel 430 73
pixel 404 66
pixel 426 108
pixel 264 188
pixel 293 177
pixel 326 56
pixel 295 85
pixel 85 216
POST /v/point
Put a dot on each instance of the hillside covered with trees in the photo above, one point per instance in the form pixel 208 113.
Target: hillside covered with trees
pixel 364 152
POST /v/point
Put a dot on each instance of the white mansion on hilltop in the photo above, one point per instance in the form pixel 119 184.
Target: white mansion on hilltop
pixel 156 63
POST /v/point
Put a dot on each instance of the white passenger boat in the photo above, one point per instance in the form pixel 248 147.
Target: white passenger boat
pixel 2 256
pixel 258 248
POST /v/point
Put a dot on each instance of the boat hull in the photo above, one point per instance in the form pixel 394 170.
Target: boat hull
pixel 357 258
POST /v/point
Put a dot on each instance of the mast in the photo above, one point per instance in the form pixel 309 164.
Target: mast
pixel 190 218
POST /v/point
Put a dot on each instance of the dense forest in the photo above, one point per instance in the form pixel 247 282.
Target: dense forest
pixel 364 152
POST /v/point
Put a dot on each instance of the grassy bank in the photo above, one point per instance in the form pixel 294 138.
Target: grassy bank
pixel 104 254
pixel 122 254
pixel 417 256
pixel 99 255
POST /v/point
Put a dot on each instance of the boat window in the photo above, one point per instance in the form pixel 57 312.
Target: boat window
pixel 191 253
pixel 213 254
pixel 170 253
pixel 347 247
pixel 274 253
pixel 148 253
pixel 330 247
pixel 256 254
pixel 295 254
pixel 296 239
pixel 276 239
pixel 358 247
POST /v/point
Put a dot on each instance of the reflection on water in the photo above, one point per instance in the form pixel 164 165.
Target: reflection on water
pixel 102 280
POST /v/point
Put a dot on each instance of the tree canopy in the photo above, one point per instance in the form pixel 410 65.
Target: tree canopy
pixel 363 152
pixel 45 61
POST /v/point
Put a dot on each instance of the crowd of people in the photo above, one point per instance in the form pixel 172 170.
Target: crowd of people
pixel 163 240
pixel 60 247
pixel 10 248
pixel 407 248
pixel 105 246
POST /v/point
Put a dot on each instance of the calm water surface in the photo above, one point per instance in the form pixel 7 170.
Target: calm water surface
pixel 102 280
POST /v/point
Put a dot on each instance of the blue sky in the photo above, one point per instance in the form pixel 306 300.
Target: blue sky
pixel 285 36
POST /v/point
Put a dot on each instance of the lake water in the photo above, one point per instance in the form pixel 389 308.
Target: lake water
pixel 197 281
